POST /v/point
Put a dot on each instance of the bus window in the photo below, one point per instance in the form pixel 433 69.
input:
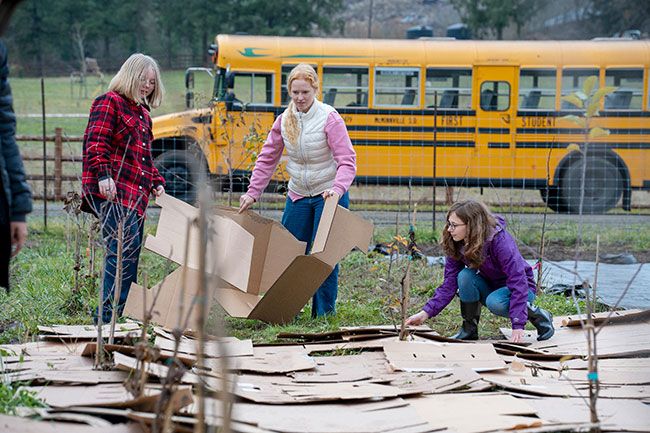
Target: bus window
pixel 537 89
pixel 629 92
pixel 253 88
pixel 572 81
pixel 345 86
pixel 453 87
pixel 397 87
pixel 286 69
pixel 495 95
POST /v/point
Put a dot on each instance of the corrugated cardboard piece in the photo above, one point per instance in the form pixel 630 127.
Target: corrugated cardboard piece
pixel 427 357
pixel 489 412
pixel 16 424
pixel 256 268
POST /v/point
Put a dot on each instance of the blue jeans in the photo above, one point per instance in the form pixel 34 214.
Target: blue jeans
pixel 301 218
pixel 111 214
pixel 472 287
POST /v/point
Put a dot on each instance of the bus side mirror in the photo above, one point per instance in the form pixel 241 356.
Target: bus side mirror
pixel 189 79
pixel 230 80
pixel 189 89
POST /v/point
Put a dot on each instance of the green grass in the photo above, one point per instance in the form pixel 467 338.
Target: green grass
pixel 13 397
pixel 633 237
pixel 43 281
pixel 59 99
pixel 630 237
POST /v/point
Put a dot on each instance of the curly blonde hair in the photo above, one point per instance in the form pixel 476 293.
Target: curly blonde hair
pixel 305 72
pixel 480 225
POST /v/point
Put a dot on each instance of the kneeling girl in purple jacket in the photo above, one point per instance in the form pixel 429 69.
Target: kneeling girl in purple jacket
pixel 484 266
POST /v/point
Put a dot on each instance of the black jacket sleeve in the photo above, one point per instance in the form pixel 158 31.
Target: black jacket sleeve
pixel 14 184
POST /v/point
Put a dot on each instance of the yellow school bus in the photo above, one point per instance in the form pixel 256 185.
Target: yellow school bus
pixel 431 112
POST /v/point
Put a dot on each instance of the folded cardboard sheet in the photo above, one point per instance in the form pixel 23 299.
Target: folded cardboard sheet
pixel 430 357
pixel 255 267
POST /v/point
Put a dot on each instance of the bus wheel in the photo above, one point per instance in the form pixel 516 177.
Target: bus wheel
pixel 553 199
pixel 603 186
pixel 181 171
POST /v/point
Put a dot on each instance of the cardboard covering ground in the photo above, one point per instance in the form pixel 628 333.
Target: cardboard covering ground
pixel 387 387
pixel 312 382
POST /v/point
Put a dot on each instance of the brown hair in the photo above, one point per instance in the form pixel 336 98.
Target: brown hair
pixel 305 72
pixel 480 224
pixel 127 80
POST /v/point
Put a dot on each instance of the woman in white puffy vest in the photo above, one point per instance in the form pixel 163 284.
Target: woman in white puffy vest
pixel 321 162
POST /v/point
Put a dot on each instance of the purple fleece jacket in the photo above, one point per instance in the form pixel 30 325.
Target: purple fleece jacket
pixel 503 266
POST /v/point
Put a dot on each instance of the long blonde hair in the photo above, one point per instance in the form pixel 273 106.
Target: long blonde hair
pixel 480 224
pixel 127 80
pixel 305 72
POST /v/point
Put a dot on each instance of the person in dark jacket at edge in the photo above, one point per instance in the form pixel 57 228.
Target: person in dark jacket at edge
pixel 15 194
pixel 485 266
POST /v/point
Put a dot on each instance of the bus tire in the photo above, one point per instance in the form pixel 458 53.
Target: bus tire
pixel 240 182
pixel 553 199
pixel 603 186
pixel 182 171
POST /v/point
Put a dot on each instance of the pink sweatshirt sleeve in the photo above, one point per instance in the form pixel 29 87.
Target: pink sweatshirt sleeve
pixel 267 160
pixel 342 151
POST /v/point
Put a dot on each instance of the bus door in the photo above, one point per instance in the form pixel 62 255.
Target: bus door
pixel 495 125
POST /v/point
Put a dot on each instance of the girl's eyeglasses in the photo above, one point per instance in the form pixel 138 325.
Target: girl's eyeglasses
pixel 452 226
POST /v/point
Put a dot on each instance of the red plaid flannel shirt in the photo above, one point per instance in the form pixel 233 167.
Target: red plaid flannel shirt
pixel 117 144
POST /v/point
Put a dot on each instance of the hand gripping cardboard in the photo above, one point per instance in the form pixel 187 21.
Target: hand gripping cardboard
pixel 255 268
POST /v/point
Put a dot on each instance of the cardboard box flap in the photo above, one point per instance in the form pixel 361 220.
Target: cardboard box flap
pixel 260 228
pixel 282 251
pixel 171 232
pixel 236 303
pixel 273 250
pixel 339 231
pixel 229 250
pixel 292 290
pixel 167 309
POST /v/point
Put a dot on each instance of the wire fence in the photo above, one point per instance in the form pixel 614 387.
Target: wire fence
pixel 400 158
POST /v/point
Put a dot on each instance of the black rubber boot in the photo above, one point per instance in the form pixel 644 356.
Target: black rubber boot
pixel 542 320
pixel 471 313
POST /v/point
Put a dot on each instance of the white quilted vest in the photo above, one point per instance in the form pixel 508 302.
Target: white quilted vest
pixel 311 166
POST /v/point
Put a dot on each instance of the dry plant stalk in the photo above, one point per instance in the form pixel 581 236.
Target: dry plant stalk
pixel 99 355
pixel 176 368
pixel 406 280
pixel 404 301
pixel 592 362
pixel 72 206
pixel 540 268
pixel 144 353
pixel 118 279
pixel 77 259
pixel 202 316
pixel 589 101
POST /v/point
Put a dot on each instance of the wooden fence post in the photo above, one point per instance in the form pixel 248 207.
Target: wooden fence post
pixel 58 169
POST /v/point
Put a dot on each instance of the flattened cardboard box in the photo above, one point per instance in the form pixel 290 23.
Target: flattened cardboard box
pixel 256 268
